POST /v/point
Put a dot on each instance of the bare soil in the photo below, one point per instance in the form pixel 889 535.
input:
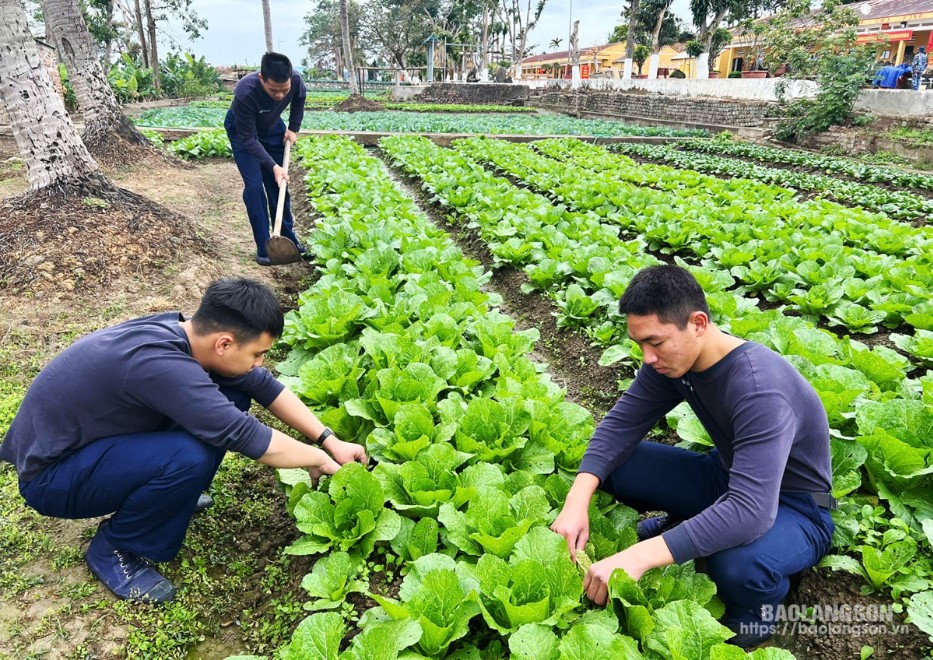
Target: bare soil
pixel 358 103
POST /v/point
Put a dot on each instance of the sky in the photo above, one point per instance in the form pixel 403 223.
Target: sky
pixel 235 31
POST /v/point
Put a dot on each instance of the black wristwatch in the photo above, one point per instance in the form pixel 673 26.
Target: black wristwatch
pixel 326 433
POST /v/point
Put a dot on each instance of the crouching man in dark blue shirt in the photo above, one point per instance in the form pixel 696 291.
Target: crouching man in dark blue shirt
pixel 134 420
pixel 257 137
pixel 757 506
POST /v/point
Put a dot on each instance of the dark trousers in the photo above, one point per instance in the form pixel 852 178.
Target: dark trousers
pixel 150 482
pixel 260 191
pixel 683 483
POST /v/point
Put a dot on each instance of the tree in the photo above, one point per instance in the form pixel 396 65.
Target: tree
pixel 322 36
pixel 396 29
pixel 267 25
pixel 659 9
pixel 555 43
pixel 630 37
pixel 721 37
pixel 153 45
pixel 708 15
pixel 642 52
pixel 348 49
pixel 519 25
pixel 56 159
pixel 105 126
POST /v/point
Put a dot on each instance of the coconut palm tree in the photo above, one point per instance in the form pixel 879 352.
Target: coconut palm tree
pixel 555 43
pixel 55 157
pixel 106 128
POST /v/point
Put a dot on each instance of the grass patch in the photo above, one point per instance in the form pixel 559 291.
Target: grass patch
pixel 916 135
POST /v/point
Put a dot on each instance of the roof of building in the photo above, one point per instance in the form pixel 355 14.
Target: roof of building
pixel 880 9
pixel 564 54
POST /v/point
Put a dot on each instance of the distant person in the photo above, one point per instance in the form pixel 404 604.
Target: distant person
pixel 258 135
pixel 134 420
pixel 918 66
pixel 904 76
pixel 471 76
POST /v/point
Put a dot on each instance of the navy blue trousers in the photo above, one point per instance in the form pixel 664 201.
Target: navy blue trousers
pixel 260 191
pixel 682 483
pixel 150 482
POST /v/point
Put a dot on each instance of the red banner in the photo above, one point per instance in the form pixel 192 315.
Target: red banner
pixel 895 35
pixel 584 70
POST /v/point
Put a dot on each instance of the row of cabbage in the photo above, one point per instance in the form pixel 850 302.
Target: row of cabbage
pixel 396 345
pixel 407 122
pixel 881 419
pixel 832 165
pixel 895 203
pixel 828 272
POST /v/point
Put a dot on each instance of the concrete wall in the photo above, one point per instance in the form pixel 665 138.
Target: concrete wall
pixel 896 102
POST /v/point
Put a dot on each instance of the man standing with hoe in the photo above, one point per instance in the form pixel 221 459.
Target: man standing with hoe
pixel 757 506
pixel 257 137
pixel 134 420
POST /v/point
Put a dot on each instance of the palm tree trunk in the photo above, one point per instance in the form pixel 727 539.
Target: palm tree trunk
pixel 347 49
pixel 47 140
pixel 102 114
pixel 267 23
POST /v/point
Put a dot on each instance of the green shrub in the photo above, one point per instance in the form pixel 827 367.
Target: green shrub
pixel 129 81
pixel 71 101
pixel 205 144
pixel 183 76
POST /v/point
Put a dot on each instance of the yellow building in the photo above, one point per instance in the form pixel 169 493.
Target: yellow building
pixel 606 61
pixel 899 26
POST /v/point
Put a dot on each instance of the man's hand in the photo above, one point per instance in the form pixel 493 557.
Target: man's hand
pixel 281 174
pixel 290 136
pixel 329 467
pixel 345 452
pixel 635 560
pixel 573 524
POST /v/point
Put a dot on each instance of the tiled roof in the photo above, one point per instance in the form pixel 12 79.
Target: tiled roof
pixel 563 54
pixel 880 9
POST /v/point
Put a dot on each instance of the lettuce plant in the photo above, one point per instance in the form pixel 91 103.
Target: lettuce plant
pixel 418 487
pixel 495 520
pixel 332 579
pixel 538 584
pixel 638 602
pixel 439 596
pixel 320 636
pixel 350 517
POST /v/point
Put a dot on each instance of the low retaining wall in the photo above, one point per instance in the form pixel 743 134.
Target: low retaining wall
pixel 682 110
pixel 743 89
pixel 867 142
